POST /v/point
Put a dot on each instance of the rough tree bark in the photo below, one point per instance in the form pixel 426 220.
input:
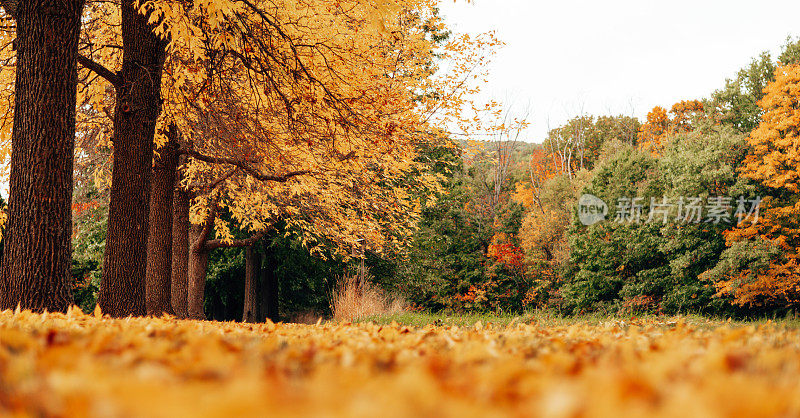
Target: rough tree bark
pixel 37 249
pixel 180 250
pixel 122 288
pixel 158 282
pixel 198 267
pixel 252 289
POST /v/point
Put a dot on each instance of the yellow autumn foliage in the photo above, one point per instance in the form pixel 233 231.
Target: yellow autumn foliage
pixel 343 91
pixel 774 161
pixel 89 365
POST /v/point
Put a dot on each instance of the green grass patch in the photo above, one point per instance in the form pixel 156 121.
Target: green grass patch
pixel 421 319
pixel 550 319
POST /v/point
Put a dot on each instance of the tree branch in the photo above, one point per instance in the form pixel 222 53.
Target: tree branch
pixel 217 243
pixel 244 166
pixel 213 185
pixel 100 70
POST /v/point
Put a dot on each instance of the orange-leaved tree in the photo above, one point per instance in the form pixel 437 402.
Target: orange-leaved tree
pixel 774 162
pixel 659 124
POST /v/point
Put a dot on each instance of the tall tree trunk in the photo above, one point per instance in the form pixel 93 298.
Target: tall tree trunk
pixel 252 277
pixel 159 240
pixel 180 251
pixel 37 249
pixel 122 289
pixel 198 266
pixel 269 287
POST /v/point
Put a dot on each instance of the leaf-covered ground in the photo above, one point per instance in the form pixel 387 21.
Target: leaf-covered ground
pixel 85 365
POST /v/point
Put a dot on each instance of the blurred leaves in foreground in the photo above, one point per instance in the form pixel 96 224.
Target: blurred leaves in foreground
pixel 88 365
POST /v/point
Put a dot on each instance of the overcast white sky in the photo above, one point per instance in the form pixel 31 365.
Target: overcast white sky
pixel 620 56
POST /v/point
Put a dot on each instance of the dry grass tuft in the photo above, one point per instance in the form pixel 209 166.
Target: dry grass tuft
pixel 349 301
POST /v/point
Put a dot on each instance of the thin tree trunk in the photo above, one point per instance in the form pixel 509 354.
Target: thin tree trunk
pixel 198 266
pixel 260 290
pixel 252 276
pixel 180 252
pixel 37 245
pixel 159 240
pixel 122 289
pixel 269 288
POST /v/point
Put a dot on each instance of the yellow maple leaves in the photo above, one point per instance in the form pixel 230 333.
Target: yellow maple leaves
pixel 88 365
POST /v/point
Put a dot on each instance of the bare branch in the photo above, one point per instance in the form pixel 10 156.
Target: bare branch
pixel 211 186
pixel 244 166
pixel 100 70
pixel 217 243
